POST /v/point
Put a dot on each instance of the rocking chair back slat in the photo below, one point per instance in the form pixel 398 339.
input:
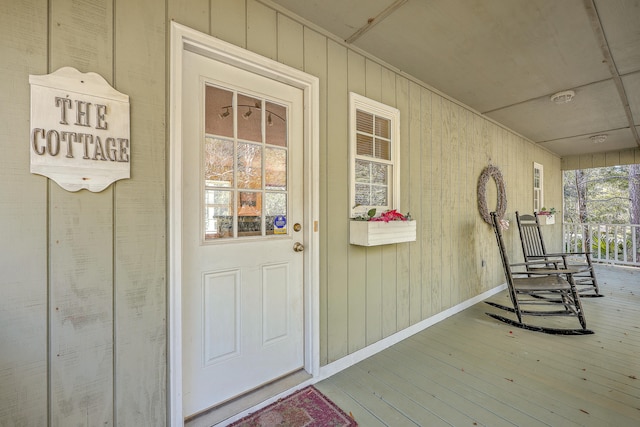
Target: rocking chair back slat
pixel 532 243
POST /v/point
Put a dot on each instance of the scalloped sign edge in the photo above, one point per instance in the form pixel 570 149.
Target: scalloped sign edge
pixel 80 130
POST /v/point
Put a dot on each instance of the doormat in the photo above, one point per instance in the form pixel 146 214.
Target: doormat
pixel 304 408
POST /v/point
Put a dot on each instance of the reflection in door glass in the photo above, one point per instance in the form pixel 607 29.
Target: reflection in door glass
pixel 276 124
pixel 244 163
pixel 249 169
pixel 250 118
pixel 275 169
pixel 218 161
pixel 218 109
pixel 249 214
pixel 275 206
pixel 218 214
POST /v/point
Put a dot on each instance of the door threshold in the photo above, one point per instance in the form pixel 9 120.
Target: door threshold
pixel 219 413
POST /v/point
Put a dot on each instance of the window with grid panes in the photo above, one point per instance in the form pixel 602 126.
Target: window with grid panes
pixel 374 136
pixel 538 190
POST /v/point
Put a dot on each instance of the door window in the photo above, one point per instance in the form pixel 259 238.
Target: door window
pixel 245 191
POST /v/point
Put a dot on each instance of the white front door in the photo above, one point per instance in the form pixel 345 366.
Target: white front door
pixel 242 212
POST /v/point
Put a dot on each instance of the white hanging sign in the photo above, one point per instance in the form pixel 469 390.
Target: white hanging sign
pixel 79 130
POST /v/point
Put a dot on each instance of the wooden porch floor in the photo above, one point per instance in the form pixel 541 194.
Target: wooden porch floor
pixel 471 370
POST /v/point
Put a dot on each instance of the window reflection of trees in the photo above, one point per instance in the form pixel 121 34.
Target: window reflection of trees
pixel 275 169
pixel 218 163
pixel 249 170
pixel 371 183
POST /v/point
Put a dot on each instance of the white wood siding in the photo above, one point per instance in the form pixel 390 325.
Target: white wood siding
pixel 83 274
pixel 23 223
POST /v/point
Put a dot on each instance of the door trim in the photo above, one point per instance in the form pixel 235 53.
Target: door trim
pixel 184 38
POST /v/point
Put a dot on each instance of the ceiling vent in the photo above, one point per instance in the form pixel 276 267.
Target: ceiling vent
pixel 563 97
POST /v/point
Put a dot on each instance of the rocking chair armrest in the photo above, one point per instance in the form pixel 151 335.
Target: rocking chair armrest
pixel 549 257
pixel 549 271
pixel 537 260
pixel 543 271
pixel 532 263
pixel 566 254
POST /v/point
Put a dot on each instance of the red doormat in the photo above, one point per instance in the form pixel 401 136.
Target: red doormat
pixel 304 408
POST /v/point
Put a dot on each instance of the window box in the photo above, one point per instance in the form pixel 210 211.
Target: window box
pixel 546 219
pixel 374 233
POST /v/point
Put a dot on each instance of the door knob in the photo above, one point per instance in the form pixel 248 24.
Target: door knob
pixel 298 247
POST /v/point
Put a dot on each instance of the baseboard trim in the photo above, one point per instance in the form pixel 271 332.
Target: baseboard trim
pixel 333 368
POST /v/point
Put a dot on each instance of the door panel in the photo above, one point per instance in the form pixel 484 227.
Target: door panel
pixel 275 291
pixel 221 306
pixel 242 282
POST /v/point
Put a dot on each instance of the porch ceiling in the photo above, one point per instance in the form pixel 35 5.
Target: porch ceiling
pixel 505 58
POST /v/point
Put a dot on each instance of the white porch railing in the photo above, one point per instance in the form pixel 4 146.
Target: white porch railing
pixel 608 243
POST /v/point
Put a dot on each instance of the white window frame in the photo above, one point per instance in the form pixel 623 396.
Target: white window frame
pixel 359 102
pixel 538 190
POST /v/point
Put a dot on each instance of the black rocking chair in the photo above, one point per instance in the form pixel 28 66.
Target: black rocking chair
pixel 548 292
pixel 533 249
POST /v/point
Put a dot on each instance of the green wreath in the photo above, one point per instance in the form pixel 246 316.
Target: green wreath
pixel 491 172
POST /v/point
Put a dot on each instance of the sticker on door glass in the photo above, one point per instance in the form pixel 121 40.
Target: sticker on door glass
pixel 280 224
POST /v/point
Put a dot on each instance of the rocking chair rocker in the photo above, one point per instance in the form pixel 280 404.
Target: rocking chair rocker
pixel 549 292
pixel 533 249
